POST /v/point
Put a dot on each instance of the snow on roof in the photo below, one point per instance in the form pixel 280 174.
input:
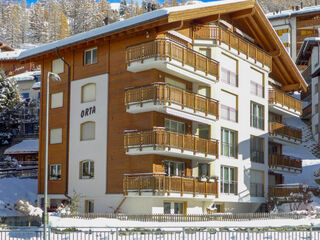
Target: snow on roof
pixel 36 85
pixel 26 146
pixel 26 76
pixel 10 55
pixel 114 27
pixel 289 13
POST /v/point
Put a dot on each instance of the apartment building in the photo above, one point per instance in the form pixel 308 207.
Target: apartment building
pixel 293 26
pixel 309 57
pixel 168 112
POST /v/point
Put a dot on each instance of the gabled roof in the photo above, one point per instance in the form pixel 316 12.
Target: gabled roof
pixel 246 15
pixel 25 147
pixel 293 13
pixel 306 50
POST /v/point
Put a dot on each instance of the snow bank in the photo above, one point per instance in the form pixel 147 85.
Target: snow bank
pixel 13 189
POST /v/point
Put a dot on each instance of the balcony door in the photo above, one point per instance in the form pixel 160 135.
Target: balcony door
pixel 175 126
pixel 172 168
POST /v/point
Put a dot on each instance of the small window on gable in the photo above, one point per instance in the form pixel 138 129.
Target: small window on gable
pixel 88 131
pixel 90 56
pixel 57 100
pixel 88 93
pixel 57 66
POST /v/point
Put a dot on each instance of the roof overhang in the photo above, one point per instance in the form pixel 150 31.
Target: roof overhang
pixel 246 15
pixel 306 50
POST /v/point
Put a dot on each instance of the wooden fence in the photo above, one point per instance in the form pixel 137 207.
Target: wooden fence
pixel 234 41
pixel 165 49
pixel 161 93
pixel 162 185
pixel 190 217
pixel 159 138
pixel 278 97
pixel 283 161
pixel 276 128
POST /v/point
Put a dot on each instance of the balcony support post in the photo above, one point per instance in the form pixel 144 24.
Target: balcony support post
pixel 182 186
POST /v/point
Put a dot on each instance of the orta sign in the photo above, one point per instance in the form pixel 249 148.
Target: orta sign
pixel 88 111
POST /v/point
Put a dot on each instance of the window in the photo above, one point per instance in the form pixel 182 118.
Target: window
pixel 172 168
pixel 229 106
pixel 316 106
pixel 229 71
pixel 315 88
pixel 88 131
pixel 178 208
pixel 203 170
pixel 57 66
pixel 55 172
pixel 229 144
pixel 86 169
pixel 25 95
pixel 56 135
pixel 175 126
pixel 256 184
pixel 88 93
pixel 228 180
pixel 175 83
pixel 275 117
pixel 89 206
pixel 90 56
pixel 204 131
pixel 206 52
pixel 57 100
pixel 257 116
pixel 256 89
pixel 257 149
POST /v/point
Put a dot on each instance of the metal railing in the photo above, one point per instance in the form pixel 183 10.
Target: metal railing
pixel 161 185
pixel 283 161
pixel 278 97
pixel 276 128
pixel 165 49
pixel 162 233
pixel 159 138
pixel 234 41
pixel 162 93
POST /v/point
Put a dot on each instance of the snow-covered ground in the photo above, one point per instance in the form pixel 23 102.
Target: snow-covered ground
pixel 13 189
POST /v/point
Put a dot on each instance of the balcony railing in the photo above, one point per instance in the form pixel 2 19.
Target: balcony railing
pixel 161 139
pixel 163 94
pixel 282 130
pixel 279 97
pixel 282 161
pixel 287 190
pixel 165 185
pixel 233 41
pixel 164 49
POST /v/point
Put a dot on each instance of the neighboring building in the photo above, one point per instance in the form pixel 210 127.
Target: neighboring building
pixel 26 82
pixel 309 56
pixel 172 111
pixel 9 63
pixel 293 26
pixel 25 152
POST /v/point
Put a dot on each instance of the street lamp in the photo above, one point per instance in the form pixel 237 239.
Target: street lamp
pixel 55 77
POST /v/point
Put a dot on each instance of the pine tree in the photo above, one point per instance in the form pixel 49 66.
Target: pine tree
pixel 64 30
pixel 38 25
pixel 123 10
pixel 9 93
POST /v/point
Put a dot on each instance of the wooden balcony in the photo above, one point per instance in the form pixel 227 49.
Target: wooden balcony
pixel 289 192
pixel 162 142
pixel 284 133
pixel 285 163
pixel 161 185
pixel 164 98
pixel 307 112
pixel 173 58
pixel 282 103
pixel 234 41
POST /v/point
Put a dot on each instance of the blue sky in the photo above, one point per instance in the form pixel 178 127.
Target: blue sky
pixel 33 1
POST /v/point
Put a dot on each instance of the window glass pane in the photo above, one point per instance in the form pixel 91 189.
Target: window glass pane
pixel 172 169
pixel 178 208
pixel 88 131
pixel 56 136
pixel 167 208
pixel 166 168
pixel 87 58
pixel 88 93
pixel 94 55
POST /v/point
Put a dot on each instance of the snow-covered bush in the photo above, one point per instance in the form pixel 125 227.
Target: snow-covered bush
pixel 26 208
pixel 64 209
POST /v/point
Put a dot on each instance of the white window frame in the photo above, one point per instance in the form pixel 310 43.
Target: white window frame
pixel 228 131
pixel 176 164
pixel 57 168
pixel 170 129
pixel 256 119
pixel 90 166
pixel 54 131
pixel 57 100
pixel 229 181
pixel 91 56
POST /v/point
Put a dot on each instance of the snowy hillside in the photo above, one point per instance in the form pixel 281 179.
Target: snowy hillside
pixel 13 189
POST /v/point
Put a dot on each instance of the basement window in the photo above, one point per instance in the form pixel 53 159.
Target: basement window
pixel 90 56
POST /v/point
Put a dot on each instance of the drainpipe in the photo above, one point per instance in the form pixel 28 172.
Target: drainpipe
pixel 68 123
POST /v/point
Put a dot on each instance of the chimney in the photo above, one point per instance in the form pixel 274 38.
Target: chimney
pixel 297 7
pixel 301 5
pixel 315 2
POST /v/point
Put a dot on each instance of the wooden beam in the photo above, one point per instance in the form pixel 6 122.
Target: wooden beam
pixel 291 87
pixel 170 26
pixel 253 33
pixel 262 36
pixel 242 14
pixel 287 75
pixel 204 20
